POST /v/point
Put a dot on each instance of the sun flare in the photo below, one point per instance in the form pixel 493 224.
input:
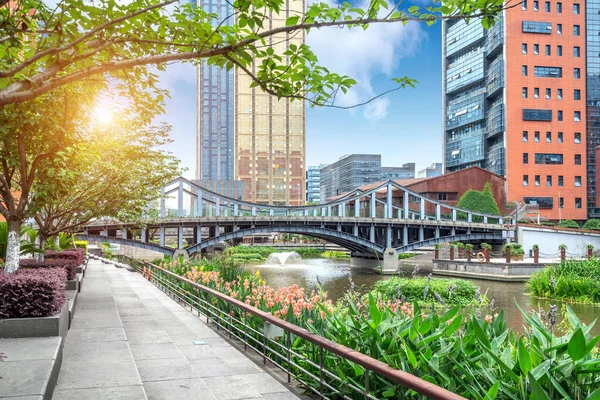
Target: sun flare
pixel 103 114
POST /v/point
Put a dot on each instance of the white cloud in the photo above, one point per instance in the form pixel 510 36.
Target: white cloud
pixel 363 55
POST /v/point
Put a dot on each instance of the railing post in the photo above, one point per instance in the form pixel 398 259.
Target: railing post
pixel 253 211
pixel 422 209
pixel 180 237
pixel 453 215
pixel 355 230
pixel 124 233
pixel 389 201
pixel 438 212
pixel 217 207
pixel 198 203
pixel 329 211
pixel 405 205
pixel 162 235
pixel 405 236
pixel 372 233
pixel 271 212
pixel 357 207
pixel 501 220
pixel 236 210
pixel 373 206
pixel 180 210
pixel 469 217
pixel 485 219
pixel 162 202
pixel 198 234
pixel 421 234
pixel 437 232
pixel 388 237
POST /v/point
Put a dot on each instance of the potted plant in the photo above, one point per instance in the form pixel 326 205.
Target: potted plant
pixel 590 250
pixel 536 253
pixel 563 251
pixel 516 252
pixel 469 251
pixel 460 246
pixel 486 247
pixel 437 247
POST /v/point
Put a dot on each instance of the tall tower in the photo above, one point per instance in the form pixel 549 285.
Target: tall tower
pixel 270 133
pixel 514 103
pixel 215 113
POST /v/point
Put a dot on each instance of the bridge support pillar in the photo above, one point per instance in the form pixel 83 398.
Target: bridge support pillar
pixel 405 236
pixel 372 233
pixel 388 237
pixel 144 235
pixel 198 234
pixel 386 265
pixel 437 232
pixel 104 232
pixel 421 234
pixel 162 236
pixel 180 237
pixel 390 260
pixel 355 230
pixel 124 233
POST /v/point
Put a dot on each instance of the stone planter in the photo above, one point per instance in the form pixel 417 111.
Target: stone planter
pixel 451 253
pixel 536 256
pixel 469 255
pixel 436 254
pixel 486 252
pixel 563 254
pixel 460 253
pixel 507 254
pixel 56 325
pixel 590 253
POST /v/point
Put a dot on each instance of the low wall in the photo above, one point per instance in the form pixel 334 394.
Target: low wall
pixel 456 268
pixel 548 239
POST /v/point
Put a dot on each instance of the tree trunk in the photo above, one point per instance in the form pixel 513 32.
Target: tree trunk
pixel 13 248
pixel 42 245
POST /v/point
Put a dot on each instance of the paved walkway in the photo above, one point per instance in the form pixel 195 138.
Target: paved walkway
pixel 129 340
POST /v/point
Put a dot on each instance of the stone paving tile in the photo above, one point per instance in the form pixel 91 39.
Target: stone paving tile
pixel 181 389
pixel 24 378
pixel 222 387
pixel 264 383
pixel 154 351
pixel 211 367
pixel 28 349
pixel 197 352
pixel 96 335
pixel 112 393
pixel 165 369
pixel 146 337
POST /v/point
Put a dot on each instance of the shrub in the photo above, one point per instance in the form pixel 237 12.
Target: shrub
pixel 81 244
pixel 404 256
pixel 68 265
pixel 516 250
pixel 568 223
pixel 572 280
pixel 76 255
pixel 483 202
pixel 592 224
pixel 486 246
pixel 32 293
pixel 548 223
pixel 423 291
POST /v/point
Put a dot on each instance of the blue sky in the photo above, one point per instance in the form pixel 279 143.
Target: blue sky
pixel 403 127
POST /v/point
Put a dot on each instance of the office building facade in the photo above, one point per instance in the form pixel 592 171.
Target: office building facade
pixel 313 184
pixel 436 169
pixel 348 173
pixel 514 103
pixel 406 171
pixel 270 133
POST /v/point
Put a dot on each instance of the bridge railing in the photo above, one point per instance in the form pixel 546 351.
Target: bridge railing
pixel 277 340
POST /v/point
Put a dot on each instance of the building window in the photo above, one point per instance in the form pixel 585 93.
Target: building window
pixel 560 115
pixel 559 94
pixel 547 6
pixel 548 158
pixel 577 73
pixel 525 180
pixel 537 115
pixel 536 93
pixel 442 196
pixel 548 137
pixel 559 29
pixel 577 159
pixel 577 202
pixel 524 5
pixel 537 180
pixel 576 8
pixel 548 50
pixel 536 49
pixel 547 72
pixel 525 136
pixel 561 180
pixel 548 93
pixel 548 180
pixel 542 202
pixel 577 116
pixel 525 158
pixel 577 181
pixel 559 7
pixel 561 202
pixel 576 51
pixel 524 70
pixel 536 136
pixel 559 51
pixel 524 92
pixel 577 137
pixel 537 27
pixel 536 5
pixel 524 48
pixel 576 30
pixel 560 137
pixel 577 94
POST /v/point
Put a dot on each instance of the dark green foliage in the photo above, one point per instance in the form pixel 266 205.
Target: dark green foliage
pixel 483 202
pixel 241 254
pixel 572 280
pixel 592 224
pixel 516 249
pixel 452 291
pixel 548 223
pixel 403 256
pixel 568 223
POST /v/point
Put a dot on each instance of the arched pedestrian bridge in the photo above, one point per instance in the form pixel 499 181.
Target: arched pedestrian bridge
pixel 378 223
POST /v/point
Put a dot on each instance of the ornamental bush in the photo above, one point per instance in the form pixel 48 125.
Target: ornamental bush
pixel 592 224
pixel 68 265
pixel 568 223
pixel 74 254
pixel 483 202
pixel 81 244
pixel 32 293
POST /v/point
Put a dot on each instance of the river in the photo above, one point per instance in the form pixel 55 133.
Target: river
pixel 333 276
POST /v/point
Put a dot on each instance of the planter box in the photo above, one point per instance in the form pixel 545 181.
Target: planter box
pixel 75 283
pixel 56 325
pixel 72 300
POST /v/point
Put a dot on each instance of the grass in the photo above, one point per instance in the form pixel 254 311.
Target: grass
pixel 243 254
pixel 335 254
pixel 423 291
pixel 572 280
pixel 403 256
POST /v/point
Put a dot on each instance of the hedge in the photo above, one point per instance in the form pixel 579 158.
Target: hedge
pixel 74 254
pixel 568 223
pixel 32 293
pixel 68 265
pixel 81 244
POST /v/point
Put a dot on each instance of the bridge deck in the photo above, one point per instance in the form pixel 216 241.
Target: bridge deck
pixel 130 340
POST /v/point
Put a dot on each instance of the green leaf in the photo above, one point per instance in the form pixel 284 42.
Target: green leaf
pixel 577 345
pixel 595 395
pixel 374 311
pixel 538 392
pixel 293 20
pixel 493 392
pixel 524 359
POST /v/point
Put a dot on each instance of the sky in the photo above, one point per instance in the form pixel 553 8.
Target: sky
pixel 404 126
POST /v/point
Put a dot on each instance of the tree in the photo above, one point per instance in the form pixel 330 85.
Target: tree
pixel 483 202
pixel 115 175
pixel 46 49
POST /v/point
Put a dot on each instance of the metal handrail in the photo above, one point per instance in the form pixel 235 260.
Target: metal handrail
pixel 396 376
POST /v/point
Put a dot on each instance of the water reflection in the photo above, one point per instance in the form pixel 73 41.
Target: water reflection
pixel 333 275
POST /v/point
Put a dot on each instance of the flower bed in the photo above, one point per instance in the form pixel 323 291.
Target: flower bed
pixel 32 293
pixel 77 255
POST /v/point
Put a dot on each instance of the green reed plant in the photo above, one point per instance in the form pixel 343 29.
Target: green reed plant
pixel 571 280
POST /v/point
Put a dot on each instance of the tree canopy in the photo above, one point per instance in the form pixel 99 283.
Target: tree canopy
pixel 44 48
pixel 480 201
